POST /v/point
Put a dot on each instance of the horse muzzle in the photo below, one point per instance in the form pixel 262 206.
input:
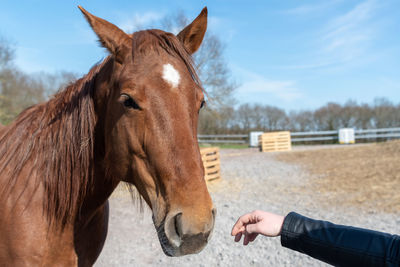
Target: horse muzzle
pixel 180 235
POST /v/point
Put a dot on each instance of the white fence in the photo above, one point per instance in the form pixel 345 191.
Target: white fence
pixel 367 135
pixel 378 133
pixel 223 138
pixel 314 136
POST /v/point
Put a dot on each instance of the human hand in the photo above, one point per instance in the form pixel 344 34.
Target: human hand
pixel 257 222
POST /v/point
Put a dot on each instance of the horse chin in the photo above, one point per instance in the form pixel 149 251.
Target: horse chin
pixel 173 249
pixel 168 248
pixel 181 236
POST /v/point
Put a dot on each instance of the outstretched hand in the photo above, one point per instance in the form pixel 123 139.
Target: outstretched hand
pixel 257 222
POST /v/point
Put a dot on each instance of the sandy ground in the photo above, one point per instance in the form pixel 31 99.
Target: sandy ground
pixel 276 182
pixel 366 176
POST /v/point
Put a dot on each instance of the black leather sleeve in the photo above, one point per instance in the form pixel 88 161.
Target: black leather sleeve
pixel 340 245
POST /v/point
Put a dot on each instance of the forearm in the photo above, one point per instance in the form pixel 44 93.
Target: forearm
pixel 340 245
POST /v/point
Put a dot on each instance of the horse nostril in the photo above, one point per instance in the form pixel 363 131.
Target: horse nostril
pixel 178 225
pixel 214 213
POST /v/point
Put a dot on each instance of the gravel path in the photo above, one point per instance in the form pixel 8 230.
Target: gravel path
pixel 250 180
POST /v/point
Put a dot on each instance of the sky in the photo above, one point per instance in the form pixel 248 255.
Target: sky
pixel 293 54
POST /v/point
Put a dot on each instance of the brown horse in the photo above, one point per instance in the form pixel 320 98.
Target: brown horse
pixel 132 118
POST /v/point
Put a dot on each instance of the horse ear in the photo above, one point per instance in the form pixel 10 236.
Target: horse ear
pixel 192 35
pixel 110 36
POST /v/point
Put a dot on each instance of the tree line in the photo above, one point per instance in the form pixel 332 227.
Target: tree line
pixel 382 113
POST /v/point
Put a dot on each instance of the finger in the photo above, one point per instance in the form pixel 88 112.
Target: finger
pixel 238 226
pixel 252 237
pixel 246 239
pixel 253 228
pixel 249 238
pixel 238 237
pixel 238 230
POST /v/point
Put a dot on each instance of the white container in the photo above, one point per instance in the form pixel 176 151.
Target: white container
pixel 346 136
pixel 253 138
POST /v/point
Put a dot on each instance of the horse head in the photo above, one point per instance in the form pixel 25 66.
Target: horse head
pixel 149 107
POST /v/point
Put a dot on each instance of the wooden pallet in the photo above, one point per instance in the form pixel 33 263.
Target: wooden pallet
pixel 275 141
pixel 211 162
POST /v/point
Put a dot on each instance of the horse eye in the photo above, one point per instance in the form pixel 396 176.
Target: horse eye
pixel 129 102
pixel 203 103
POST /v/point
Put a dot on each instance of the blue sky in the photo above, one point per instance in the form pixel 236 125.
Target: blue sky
pixel 292 54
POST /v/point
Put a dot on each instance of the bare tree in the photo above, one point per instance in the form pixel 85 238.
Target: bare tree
pixel 276 118
pixel 225 119
pixel 19 90
pixel 384 113
pixel 6 53
pixel 217 122
pixel 53 82
pixel 243 116
pixel 257 117
pixel 301 121
pixel 327 116
pixel 347 115
pixel 364 116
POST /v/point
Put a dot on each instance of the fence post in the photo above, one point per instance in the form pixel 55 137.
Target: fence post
pixel 253 138
pixel 346 136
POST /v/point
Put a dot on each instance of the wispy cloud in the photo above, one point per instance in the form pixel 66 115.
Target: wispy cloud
pixel 214 22
pixel 348 36
pixel 254 83
pixel 139 21
pixel 343 39
pixel 309 9
pixel 283 90
pixel 224 27
pixel 320 63
pixel 27 59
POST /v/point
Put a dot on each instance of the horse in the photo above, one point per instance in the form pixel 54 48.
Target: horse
pixel 133 118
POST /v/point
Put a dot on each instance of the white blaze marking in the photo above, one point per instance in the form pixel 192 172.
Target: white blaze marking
pixel 171 75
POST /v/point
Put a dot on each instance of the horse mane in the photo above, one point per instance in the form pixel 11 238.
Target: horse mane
pixel 56 138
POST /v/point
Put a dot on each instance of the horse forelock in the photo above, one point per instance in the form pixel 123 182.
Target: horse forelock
pixel 157 41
